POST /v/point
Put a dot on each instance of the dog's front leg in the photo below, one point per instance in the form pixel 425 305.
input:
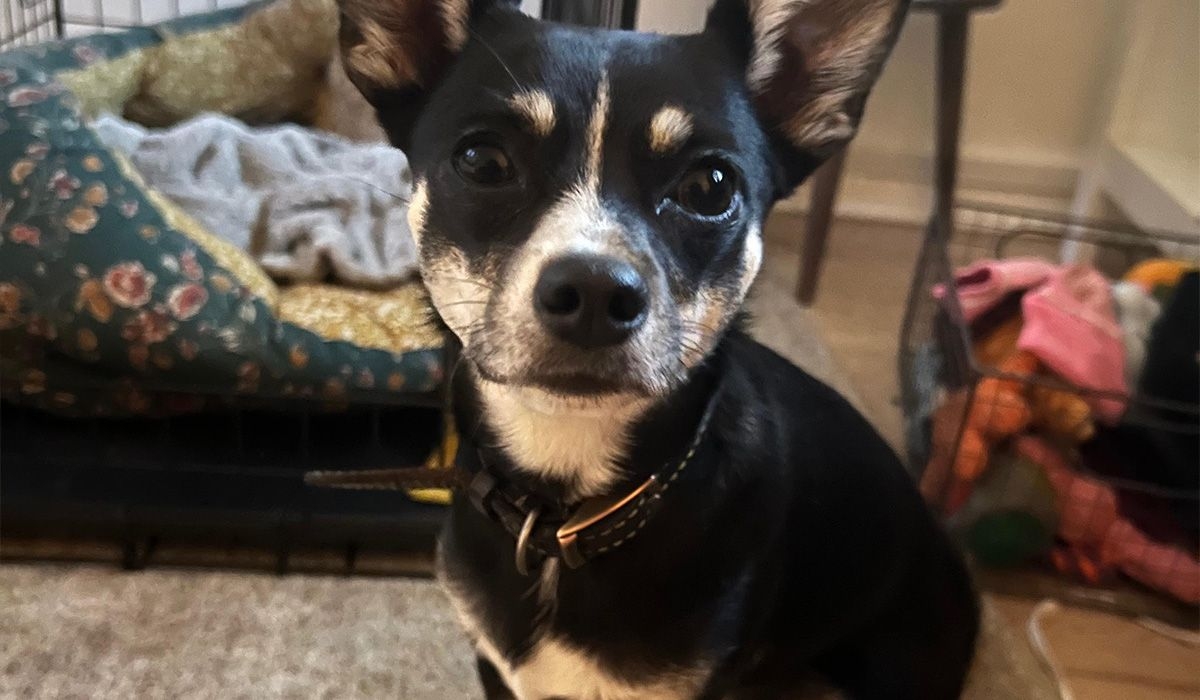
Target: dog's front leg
pixel 494 687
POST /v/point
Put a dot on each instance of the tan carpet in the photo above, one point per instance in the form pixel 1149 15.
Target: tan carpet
pixel 86 631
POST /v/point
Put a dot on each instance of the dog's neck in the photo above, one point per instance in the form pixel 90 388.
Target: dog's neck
pixel 573 449
pixel 579 444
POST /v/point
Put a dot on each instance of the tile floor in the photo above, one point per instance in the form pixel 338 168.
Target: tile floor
pixel 859 307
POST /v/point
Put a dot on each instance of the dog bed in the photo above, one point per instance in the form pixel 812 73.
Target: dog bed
pixel 115 302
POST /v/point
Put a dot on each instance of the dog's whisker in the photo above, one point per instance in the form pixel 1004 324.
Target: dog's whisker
pixel 475 35
pixel 377 188
pixel 708 331
pixel 465 280
pixel 699 324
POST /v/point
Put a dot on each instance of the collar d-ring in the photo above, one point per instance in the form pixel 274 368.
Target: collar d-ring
pixel 521 556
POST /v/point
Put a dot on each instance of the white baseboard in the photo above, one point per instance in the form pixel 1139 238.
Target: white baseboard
pixel 882 185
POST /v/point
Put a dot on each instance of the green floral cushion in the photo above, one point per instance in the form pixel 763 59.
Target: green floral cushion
pixel 108 308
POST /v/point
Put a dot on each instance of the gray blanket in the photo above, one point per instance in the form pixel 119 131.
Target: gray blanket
pixel 307 205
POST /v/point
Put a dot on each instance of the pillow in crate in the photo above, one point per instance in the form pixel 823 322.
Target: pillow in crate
pixel 115 302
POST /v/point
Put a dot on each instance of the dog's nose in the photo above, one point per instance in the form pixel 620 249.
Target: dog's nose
pixel 590 301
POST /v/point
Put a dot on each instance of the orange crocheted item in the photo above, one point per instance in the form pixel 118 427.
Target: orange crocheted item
pixel 1159 271
pixel 1005 406
pixel 998 410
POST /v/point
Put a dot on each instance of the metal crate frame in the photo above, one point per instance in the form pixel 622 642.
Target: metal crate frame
pixel 27 22
pixel 225 478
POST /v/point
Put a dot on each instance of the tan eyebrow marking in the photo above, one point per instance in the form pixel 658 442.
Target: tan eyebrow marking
pixel 670 127
pixel 595 133
pixel 536 107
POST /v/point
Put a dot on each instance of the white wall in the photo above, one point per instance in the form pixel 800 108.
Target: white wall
pixel 671 16
pixel 1153 133
pixel 1037 70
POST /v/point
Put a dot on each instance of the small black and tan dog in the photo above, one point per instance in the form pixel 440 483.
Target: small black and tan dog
pixel 659 507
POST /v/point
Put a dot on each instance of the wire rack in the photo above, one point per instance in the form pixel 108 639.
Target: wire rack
pixel 27 22
pixel 946 385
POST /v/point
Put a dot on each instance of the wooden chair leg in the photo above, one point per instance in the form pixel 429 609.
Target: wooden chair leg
pixel 952 57
pixel 816 227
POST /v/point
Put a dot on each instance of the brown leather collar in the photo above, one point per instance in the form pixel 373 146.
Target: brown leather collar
pixel 574 535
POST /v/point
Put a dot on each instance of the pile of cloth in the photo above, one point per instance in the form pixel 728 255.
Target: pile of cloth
pixel 308 206
pixel 252 128
pixel 1081 441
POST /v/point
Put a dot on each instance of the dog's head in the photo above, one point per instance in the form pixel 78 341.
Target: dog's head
pixel 589 203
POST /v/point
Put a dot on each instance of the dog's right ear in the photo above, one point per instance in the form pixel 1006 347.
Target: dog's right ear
pixel 395 51
pixel 809 65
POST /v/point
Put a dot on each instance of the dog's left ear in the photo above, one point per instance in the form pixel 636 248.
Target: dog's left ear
pixel 809 65
pixel 395 51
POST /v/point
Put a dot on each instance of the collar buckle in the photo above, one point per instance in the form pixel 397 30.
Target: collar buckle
pixel 589 513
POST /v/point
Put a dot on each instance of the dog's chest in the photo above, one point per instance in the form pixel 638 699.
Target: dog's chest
pixel 552 666
pixel 555 669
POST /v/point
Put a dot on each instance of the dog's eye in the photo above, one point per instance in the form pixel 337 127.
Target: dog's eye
pixel 708 189
pixel 484 164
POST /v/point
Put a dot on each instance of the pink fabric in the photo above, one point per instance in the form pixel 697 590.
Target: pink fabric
pixel 1071 325
pixel 984 284
pixel 1090 522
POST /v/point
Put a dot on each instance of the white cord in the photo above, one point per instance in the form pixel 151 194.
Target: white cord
pixel 1186 637
pixel 1037 640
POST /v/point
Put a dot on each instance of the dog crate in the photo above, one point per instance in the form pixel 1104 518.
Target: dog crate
pixel 1086 488
pixel 215 478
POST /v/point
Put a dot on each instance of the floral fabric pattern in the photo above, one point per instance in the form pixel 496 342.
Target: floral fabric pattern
pixel 106 309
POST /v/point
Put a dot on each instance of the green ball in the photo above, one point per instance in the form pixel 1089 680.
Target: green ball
pixel 1008 537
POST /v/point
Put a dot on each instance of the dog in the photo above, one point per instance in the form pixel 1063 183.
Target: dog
pixel 658 506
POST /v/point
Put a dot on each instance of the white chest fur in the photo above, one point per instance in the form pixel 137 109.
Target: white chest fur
pixel 555 668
